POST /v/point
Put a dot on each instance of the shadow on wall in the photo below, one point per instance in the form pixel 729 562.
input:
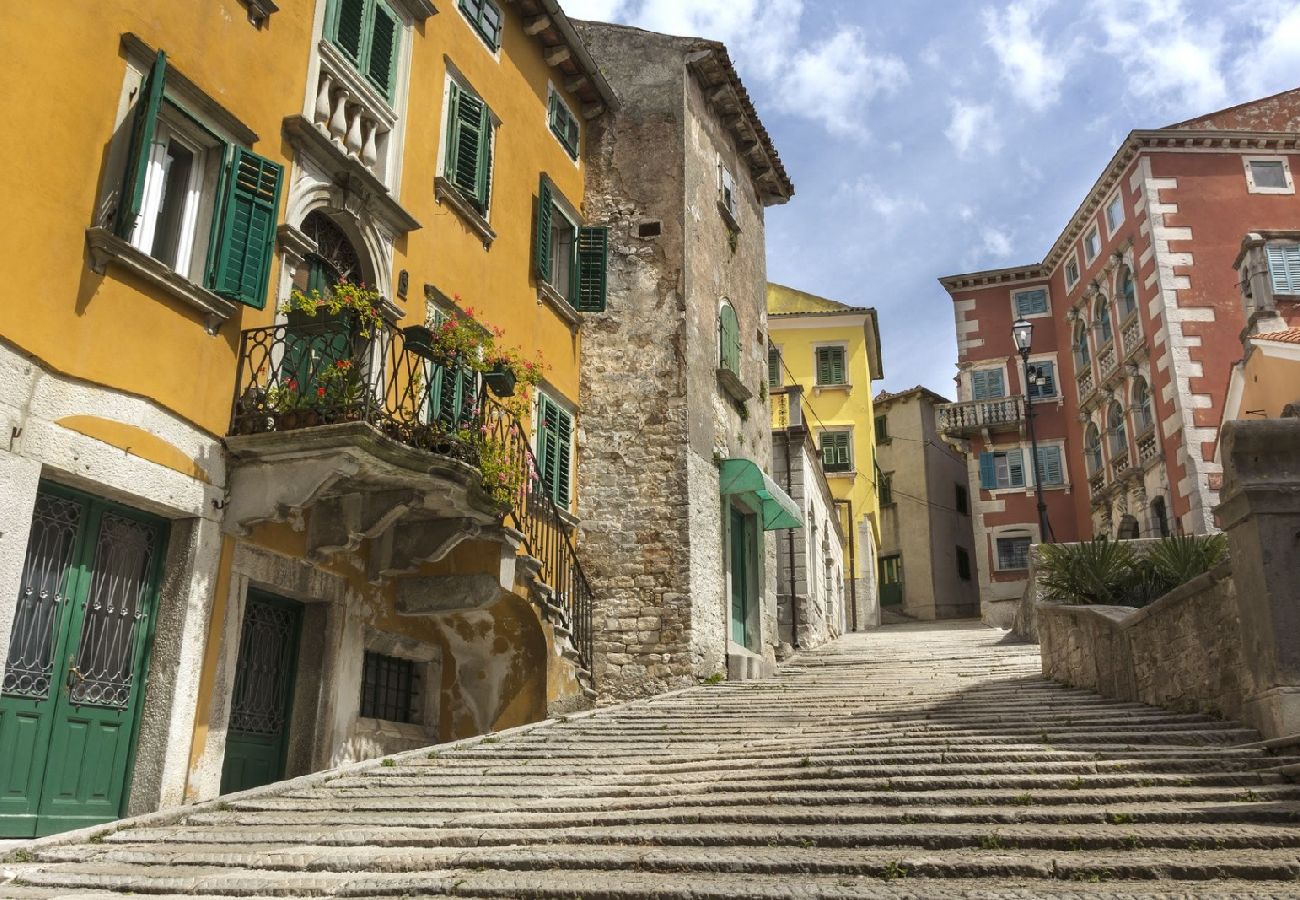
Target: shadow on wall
pixel 494 669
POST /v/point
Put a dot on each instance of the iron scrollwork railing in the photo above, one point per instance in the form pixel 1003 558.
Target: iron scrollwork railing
pixel 328 372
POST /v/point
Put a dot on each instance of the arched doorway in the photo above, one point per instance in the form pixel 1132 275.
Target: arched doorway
pixel 1128 528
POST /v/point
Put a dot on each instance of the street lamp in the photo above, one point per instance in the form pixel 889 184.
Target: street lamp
pixel 1022 331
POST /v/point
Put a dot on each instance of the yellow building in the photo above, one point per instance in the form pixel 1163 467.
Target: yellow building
pixel 832 352
pixel 285 535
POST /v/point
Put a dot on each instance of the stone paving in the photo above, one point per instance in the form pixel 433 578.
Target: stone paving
pixel 914 761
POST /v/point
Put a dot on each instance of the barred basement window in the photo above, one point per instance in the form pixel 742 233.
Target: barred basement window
pixel 1013 552
pixel 389 688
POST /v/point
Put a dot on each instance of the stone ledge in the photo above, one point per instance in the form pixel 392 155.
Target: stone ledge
pixel 106 247
pixel 561 307
pixel 734 387
pixel 446 192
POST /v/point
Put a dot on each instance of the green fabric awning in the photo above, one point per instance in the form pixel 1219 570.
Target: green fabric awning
pixel 744 477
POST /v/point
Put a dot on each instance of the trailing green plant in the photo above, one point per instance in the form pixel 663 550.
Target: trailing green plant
pixel 357 299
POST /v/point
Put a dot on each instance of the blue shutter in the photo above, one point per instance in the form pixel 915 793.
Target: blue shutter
pixel 1029 303
pixel 1016 468
pixel 987 385
pixel 1284 267
pixel 988 472
pixel 1049 465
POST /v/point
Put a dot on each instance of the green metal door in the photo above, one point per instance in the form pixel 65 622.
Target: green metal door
pixel 741 577
pixel 262 700
pixel 891 581
pixel 77 662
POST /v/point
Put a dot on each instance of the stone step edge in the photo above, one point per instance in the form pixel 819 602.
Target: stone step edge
pixel 312 779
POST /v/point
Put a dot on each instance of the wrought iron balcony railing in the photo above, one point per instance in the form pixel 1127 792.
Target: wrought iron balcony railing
pixel 960 419
pixel 294 377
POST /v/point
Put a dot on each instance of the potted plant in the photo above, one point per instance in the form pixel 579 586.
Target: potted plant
pixel 501 378
pixel 419 340
pixel 356 301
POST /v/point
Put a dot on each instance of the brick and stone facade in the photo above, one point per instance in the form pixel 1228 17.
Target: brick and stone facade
pixel 658 416
pixel 1139 323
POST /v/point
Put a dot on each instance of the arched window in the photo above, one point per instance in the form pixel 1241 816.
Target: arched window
pixel 1092 449
pixel 1082 358
pixel 1126 291
pixel 728 339
pixel 1115 428
pixel 1142 416
pixel 1101 320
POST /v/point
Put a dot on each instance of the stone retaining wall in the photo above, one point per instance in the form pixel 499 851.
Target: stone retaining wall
pixel 1182 652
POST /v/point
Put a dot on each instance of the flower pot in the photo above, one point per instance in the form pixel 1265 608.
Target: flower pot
pixel 419 340
pixel 501 379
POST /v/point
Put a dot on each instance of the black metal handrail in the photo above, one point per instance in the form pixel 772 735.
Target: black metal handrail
pixel 330 371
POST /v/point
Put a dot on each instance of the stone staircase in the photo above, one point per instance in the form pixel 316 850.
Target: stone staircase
pixel 922 761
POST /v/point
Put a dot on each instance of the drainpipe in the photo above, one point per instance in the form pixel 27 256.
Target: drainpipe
pixel 794 402
pixel 853 565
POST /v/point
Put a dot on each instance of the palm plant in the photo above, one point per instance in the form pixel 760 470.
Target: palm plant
pixel 1091 572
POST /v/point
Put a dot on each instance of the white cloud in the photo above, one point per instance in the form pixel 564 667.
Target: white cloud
pixel 831 81
pixel 595 10
pixel 1032 70
pixel 834 81
pixel 1274 64
pixel 995 242
pixel 1172 59
pixel 971 128
pixel 885 204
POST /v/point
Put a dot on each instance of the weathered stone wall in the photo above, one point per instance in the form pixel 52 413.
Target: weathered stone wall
pixel 633 493
pixel 1182 652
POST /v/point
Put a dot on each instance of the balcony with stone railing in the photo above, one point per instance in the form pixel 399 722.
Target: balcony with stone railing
pixel 1148 448
pixel 1097 486
pixel 1107 360
pixel 355 115
pixel 1086 383
pixel 1131 334
pixel 962 419
pixel 1119 462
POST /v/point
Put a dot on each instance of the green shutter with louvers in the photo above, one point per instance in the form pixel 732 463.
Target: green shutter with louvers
pixel 729 339
pixel 988 471
pixel 830 365
pixel 469 150
pixel 542 239
pixel 349 25
pixel 381 55
pixel 564 446
pixel 243 258
pixel 142 131
pixel 555 433
pixel 593 268
pixel 773 367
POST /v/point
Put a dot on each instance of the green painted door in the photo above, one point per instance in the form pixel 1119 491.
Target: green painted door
pixel 742 579
pixel 262 701
pixel 891 581
pixel 77 661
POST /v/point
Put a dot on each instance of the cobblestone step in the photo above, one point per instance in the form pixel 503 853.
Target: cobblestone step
pixel 921 762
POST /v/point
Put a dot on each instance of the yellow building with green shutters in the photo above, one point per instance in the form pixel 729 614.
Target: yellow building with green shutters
pixel 828 353
pixel 244 539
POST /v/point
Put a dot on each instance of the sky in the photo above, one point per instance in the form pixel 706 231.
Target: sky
pixel 931 137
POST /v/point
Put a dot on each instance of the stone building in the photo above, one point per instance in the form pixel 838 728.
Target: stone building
pixel 832 350
pixel 241 541
pixel 811 593
pixel 673 490
pixel 1137 313
pixel 927 549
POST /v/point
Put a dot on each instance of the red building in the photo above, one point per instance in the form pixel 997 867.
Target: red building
pixel 1138 312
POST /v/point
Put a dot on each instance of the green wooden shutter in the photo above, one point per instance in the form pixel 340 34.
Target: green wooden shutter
pixel 453 130
pixel 483 187
pixel 729 339
pixel 466 142
pixel 838 375
pixel 1016 468
pixel 243 260
pixel 137 158
pixel 542 240
pixel 381 58
pixel 823 365
pixel 564 447
pixel 593 268
pixel 988 472
pixel 349 27
pixel 773 367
